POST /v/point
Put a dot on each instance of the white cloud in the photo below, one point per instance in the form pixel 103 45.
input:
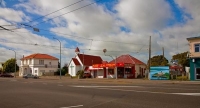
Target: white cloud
pixel 144 15
pixel 12 15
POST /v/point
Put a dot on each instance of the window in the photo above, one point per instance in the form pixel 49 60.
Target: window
pixel 197 48
pixel 41 62
pixel 128 71
pixel 110 71
pixel 42 70
pixel 49 63
pixel 35 71
pixel 51 70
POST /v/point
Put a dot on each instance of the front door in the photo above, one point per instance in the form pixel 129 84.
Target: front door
pixel 95 73
pixel 197 74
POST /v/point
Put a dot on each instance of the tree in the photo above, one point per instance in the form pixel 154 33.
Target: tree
pixel 9 65
pixel 181 58
pixel 158 60
pixel 64 70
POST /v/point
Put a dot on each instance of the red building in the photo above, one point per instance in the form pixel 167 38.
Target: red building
pixel 127 67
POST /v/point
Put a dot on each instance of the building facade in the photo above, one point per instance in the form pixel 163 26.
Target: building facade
pixel 194 56
pixel 38 64
pixel 124 66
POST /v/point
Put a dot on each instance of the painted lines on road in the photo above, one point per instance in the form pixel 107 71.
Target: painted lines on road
pixel 190 94
pixel 73 106
pixel 142 91
pixel 104 86
pixel 13 80
pixel 60 85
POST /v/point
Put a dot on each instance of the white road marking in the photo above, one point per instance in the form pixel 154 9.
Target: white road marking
pixel 72 106
pixel 111 88
pixel 13 80
pixel 190 94
pixel 103 86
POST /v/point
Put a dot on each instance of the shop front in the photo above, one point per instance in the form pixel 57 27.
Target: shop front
pixel 121 70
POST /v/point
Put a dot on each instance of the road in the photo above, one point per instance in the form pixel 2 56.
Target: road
pixel 44 93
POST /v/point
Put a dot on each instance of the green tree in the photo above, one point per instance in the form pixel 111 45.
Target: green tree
pixel 182 59
pixel 9 65
pixel 158 60
pixel 64 70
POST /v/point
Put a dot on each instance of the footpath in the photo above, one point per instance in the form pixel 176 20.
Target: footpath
pixel 120 81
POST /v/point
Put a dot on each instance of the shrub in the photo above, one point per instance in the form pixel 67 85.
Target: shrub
pixel 182 78
pixel 80 73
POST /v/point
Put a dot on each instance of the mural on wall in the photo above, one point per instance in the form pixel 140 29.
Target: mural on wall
pixel 159 73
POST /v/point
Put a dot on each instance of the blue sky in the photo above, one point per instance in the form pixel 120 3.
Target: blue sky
pixel 120 26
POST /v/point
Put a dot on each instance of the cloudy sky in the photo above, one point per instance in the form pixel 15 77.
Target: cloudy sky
pixel 120 26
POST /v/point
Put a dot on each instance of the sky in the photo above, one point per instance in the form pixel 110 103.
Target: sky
pixel 120 26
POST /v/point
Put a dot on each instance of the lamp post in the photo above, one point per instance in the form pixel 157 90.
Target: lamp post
pixel 15 60
pixel 60 55
pixel 105 50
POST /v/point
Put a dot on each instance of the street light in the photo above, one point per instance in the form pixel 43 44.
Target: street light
pixel 15 60
pixel 60 55
pixel 104 51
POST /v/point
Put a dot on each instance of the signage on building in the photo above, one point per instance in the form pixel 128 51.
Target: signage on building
pixel 108 65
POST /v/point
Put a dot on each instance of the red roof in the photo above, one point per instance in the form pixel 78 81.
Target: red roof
pixel 89 60
pixel 76 62
pixel 77 50
pixel 40 56
pixel 127 59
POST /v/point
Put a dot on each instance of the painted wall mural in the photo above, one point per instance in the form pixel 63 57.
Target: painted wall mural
pixel 159 73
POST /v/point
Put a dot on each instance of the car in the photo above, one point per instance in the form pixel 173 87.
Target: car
pixel 6 75
pixel 87 75
pixel 30 76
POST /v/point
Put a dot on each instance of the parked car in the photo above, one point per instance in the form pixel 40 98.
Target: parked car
pixel 6 75
pixel 30 76
pixel 87 75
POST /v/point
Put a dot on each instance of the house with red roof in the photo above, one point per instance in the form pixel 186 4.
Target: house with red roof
pixel 82 62
pixel 38 64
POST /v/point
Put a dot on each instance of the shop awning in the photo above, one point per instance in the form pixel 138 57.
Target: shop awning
pixel 92 68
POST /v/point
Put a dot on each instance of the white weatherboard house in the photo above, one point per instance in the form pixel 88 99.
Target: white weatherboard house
pixel 38 64
pixel 82 62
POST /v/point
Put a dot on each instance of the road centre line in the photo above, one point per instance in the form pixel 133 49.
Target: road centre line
pixel 72 106
pixel 103 86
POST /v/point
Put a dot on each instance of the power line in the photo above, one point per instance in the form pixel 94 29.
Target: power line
pixel 58 46
pixel 56 11
pixel 66 13
pixel 83 37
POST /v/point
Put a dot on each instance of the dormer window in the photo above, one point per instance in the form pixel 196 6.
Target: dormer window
pixel 197 48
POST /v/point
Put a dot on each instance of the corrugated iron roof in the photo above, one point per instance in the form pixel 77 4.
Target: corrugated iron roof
pixel 76 62
pixel 40 56
pixel 90 59
pixel 127 59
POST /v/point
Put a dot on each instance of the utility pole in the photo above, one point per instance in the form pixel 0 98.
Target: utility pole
pixel 163 52
pixel 149 54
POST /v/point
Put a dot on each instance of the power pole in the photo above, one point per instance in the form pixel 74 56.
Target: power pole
pixel 149 54
pixel 163 52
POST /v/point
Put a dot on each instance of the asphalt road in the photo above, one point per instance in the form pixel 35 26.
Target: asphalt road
pixel 43 93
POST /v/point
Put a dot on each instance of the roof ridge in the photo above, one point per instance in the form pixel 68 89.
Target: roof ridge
pixel 35 55
pixel 131 58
